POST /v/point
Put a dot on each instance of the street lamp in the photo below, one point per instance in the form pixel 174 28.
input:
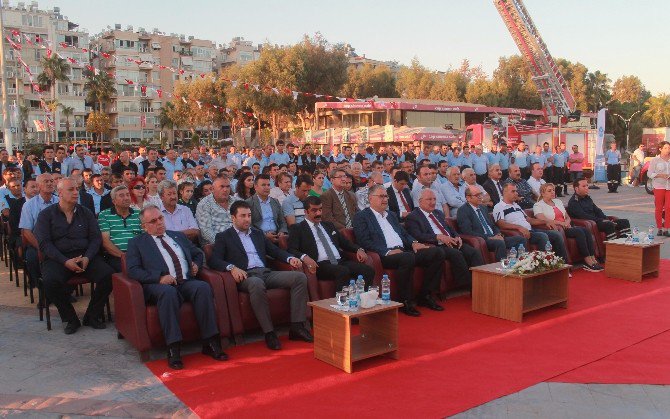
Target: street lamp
pixel 627 123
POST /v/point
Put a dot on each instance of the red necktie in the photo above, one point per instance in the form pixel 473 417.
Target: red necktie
pixel 175 260
pixel 404 201
pixel 439 224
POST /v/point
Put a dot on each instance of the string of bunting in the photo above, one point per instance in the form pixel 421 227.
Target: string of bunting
pixel 16 39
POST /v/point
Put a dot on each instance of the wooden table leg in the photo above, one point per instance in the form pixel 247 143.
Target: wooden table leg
pixel 332 339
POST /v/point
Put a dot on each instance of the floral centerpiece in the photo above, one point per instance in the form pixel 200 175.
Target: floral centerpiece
pixel 535 262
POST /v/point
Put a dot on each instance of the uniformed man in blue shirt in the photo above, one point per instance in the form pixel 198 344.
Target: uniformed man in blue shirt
pixel 559 172
pixel 480 164
pixel 613 160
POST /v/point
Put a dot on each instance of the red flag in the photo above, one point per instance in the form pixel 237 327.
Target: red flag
pixel 72 60
pixel 129 81
pixel 104 54
pixel 143 89
pixel 84 50
pixel 159 92
pixel 49 52
pixel 90 68
pixel 202 75
pixel 181 71
pixel 64 45
pixel 138 62
pixel 162 67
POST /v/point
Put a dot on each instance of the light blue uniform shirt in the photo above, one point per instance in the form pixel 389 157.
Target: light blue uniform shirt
pixel 503 160
pixel 613 157
pixel 535 158
pixel 32 208
pixel 467 160
pixel 456 160
pixel 559 160
pixel 546 155
pixel 479 163
pixel 280 158
pixel 521 158
pixel 170 167
pixel 494 158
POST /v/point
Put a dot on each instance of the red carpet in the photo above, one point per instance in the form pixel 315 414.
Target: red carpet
pixel 449 361
pixel 647 362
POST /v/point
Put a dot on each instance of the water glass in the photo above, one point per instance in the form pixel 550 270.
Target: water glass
pixel 342 297
pixel 505 263
pixel 374 288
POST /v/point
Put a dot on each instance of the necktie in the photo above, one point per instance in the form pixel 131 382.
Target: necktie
pixel 439 224
pixel 485 225
pixel 175 260
pixel 347 218
pixel 499 188
pixel 404 201
pixel 326 244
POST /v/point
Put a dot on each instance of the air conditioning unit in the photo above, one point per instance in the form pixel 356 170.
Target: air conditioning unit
pixel 129 28
pixel 117 26
pixel 141 30
pixel 190 38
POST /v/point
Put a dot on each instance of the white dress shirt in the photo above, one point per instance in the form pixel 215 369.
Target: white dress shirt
pixel 321 250
pixel 401 206
pixel 166 256
pixel 392 238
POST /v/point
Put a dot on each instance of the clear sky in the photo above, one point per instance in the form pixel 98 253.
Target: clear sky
pixel 617 37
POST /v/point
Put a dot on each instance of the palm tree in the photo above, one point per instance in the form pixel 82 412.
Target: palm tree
pixel 54 69
pixel 68 111
pixel 164 119
pixel 658 110
pixel 23 124
pixel 52 106
pixel 99 89
pixel 597 90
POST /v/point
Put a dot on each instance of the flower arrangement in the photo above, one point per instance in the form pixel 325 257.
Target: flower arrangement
pixel 535 262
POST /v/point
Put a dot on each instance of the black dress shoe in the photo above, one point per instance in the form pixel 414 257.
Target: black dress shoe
pixel 300 333
pixel 409 309
pixel 94 322
pixel 213 348
pixel 174 357
pixel 430 303
pixel 72 326
pixel 272 341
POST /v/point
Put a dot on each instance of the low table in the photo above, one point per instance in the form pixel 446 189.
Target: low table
pixel 334 342
pixel 510 296
pixel 631 261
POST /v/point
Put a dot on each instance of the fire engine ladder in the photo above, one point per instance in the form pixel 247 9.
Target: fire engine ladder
pixel 554 92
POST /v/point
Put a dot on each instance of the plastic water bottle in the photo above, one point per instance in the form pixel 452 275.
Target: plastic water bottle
pixel 360 285
pixel 353 296
pixel 548 248
pixel 650 234
pixel 522 251
pixel 386 289
pixel 636 235
pixel 512 255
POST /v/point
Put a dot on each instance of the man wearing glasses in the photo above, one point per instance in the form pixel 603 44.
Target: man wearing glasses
pixel 378 230
pixel 166 264
pixel 339 204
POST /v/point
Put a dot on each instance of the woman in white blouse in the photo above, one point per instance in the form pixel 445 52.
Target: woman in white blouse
pixel 659 171
pixel 551 210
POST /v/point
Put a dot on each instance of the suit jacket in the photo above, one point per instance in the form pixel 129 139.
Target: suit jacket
pixel 277 214
pixel 493 192
pixel 228 250
pixel 44 167
pixel 301 240
pixel 419 227
pixel 86 200
pixel 333 211
pixel 394 205
pixel 15 207
pixel 468 221
pixel 145 263
pixel 370 235
pixel 106 202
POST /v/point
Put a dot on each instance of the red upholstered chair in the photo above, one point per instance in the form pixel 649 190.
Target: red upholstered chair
pixel 474 241
pixel 598 236
pixel 138 322
pixel 242 317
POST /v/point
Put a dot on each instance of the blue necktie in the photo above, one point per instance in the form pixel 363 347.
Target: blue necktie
pixel 487 229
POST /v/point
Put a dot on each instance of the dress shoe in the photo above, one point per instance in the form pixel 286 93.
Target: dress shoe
pixel 660 233
pixel 72 326
pixel 429 302
pixel 94 322
pixel 300 333
pixel 272 341
pixel 174 357
pixel 409 309
pixel 213 348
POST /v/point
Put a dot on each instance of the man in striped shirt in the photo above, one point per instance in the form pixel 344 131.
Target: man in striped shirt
pixel 118 224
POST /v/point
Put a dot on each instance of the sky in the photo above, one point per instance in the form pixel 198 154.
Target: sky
pixel 617 37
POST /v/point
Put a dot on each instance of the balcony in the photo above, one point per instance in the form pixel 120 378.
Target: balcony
pixel 187 53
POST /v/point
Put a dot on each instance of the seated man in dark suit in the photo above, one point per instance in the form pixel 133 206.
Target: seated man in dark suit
pixel 475 220
pixel 319 245
pixel 379 230
pixel 427 224
pixel 69 238
pixel 242 250
pixel 400 198
pixel 166 263
pixel 493 185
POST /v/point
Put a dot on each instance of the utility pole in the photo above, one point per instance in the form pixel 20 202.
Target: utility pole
pixel 627 124
pixel 3 79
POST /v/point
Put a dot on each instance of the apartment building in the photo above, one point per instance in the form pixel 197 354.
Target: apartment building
pixel 49 25
pixel 238 51
pixel 134 111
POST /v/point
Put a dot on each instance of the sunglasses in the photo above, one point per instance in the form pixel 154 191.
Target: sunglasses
pixel 139 187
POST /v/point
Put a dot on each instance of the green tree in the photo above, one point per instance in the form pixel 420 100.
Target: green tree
pixel 575 76
pixel 629 89
pixel 415 81
pixel 514 84
pixel 658 110
pixel 67 112
pixel 484 92
pixel 99 88
pixel 598 90
pixel 99 124
pixel 368 81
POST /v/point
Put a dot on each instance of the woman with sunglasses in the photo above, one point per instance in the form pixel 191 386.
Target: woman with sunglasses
pixel 138 192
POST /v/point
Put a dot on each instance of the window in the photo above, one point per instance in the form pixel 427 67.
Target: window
pixel 30 20
pixel 72 40
pixel 175 62
pixel 121 43
pixel 38 54
pixel 155 45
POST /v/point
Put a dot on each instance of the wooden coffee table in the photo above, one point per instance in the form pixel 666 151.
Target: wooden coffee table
pixel 333 339
pixel 632 261
pixel 510 296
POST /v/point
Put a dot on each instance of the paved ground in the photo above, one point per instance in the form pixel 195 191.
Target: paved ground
pixel 49 374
